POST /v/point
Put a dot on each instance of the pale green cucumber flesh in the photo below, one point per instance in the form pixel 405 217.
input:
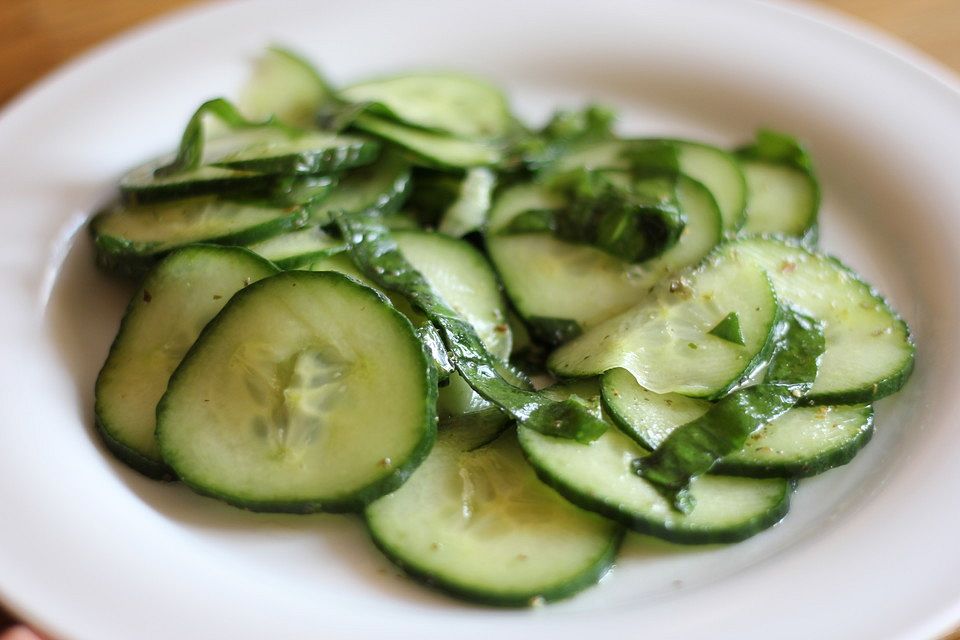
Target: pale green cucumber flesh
pixel 869 351
pixel 449 103
pixel 296 248
pixel 548 278
pixel 308 392
pixel 432 149
pixel 600 477
pixel 310 153
pixel 286 86
pixel 461 275
pixel 468 212
pixel 665 341
pixel 132 238
pixel 802 442
pixel 164 317
pixel 487 529
pixel 780 199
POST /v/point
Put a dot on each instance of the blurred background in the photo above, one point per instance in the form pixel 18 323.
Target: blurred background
pixel 37 36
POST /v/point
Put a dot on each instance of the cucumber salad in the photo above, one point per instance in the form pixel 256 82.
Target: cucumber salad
pixel 501 346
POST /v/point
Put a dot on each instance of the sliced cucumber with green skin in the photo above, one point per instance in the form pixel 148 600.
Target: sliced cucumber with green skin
pixel 869 351
pixel 803 442
pixel 457 271
pixel 665 341
pixel 487 529
pixel 469 211
pixel 464 279
pixel 165 316
pixel 374 250
pixel 599 477
pixel 308 392
pixel 382 186
pixel 559 285
pixel 309 153
pixel 297 248
pixel 781 199
pixel 783 192
pixel 131 239
pixel 286 86
pixel 141 186
pixel 432 149
pixel 449 103
pixel 717 169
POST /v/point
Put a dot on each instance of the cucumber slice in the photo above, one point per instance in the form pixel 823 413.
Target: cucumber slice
pixel 141 186
pixel 666 341
pixel 165 316
pixel 781 199
pixel 460 274
pixel 717 169
pixel 130 239
pixel 432 149
pixel 297 248
pixel 382 186
pixel 599 477
pixel 286 86
pixel 804 441
pixel 464 279
pixel 449 103
pixel 469 211
pixel 869 351
pixel 486 529
pixel 550 281
pixel 271 409
pixel 310 153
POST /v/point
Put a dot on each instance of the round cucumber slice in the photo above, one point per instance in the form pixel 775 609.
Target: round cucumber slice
pixel 781 198
pixel 444 102
pixel 476 522
pixel 672 341
pixel 132 238
pixel 598 476
pixel 869 351
pixel 308 392
pixel 165 316
pixel 717 169
pixel 547 278
pixel 802 442
pixel 310 153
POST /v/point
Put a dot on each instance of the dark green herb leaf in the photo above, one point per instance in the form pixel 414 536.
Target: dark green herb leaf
pixel 693 448
pixel 729 329
pixel 376 254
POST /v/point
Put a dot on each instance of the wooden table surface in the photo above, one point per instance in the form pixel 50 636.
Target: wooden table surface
pixel 36 36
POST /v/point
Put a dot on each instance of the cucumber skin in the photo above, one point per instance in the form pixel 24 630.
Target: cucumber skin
pixel 250 185
pixel 880 389
pixel 130 457
pixel 356 501
pixel 824 462
pixel 657 529
pixel 310 162
pixel 589 577
pixel 134 259
pixel 126 455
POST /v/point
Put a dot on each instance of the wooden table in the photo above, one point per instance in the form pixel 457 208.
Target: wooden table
pixel 36 36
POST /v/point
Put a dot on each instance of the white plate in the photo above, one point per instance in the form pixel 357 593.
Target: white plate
pixel 90 550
